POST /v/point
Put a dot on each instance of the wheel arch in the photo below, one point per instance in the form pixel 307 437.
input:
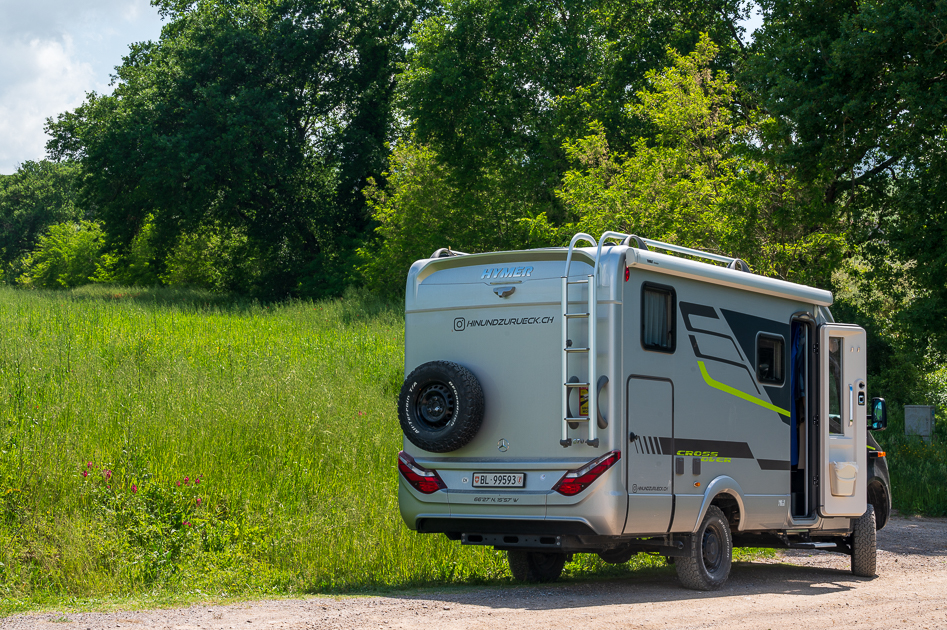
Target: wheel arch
pixel 725 493
pixel 879 491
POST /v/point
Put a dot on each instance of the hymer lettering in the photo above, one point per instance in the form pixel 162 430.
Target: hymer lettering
pixel 506 272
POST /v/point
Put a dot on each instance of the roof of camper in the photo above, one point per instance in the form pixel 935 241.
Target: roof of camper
pixel 636 259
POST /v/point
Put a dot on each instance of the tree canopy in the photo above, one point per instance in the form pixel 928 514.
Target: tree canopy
pixel 294 147
pixel 39 194
pixel 262 120
pixel 858 95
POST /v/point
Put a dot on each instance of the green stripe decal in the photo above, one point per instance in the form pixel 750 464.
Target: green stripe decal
pixel 736 392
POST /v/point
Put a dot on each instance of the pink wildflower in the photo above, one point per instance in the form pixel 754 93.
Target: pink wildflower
pixel 89 465
pixel 134 488
pixel 85 473
pixel 198 500
pixel 186 479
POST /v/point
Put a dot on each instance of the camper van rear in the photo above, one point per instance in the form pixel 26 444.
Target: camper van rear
pixel 615 399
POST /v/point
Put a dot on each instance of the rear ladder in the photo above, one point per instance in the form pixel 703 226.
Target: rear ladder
pixel 592 281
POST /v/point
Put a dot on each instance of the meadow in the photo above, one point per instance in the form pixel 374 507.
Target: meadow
pixel 159 446
pixel 918 468
pixel 168 445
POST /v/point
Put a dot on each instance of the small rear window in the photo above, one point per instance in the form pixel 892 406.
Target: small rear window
pixel 658 306
pixel 770 359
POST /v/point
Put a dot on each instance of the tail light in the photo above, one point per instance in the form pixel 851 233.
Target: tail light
pixel 421 479
pixel 575 481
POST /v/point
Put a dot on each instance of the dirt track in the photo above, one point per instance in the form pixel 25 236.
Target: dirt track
pixel 800 590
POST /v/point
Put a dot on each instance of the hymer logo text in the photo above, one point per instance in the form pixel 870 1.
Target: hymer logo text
pixel 506 272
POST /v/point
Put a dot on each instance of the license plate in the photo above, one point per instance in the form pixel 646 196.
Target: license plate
pixel 498 480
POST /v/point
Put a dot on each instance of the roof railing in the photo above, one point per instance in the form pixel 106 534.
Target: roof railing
pixel 633 240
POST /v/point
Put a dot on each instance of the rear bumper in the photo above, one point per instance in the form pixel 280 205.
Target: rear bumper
pixel 600 510
pixel 454 527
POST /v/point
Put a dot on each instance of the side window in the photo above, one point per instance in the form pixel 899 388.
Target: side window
pixel 658 317
pixel 835 386
pixel 770 359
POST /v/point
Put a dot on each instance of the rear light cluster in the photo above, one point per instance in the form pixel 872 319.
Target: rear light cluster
pixel 421 479
pixel 575 481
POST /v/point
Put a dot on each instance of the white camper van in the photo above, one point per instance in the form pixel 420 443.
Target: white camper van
pixel 615 399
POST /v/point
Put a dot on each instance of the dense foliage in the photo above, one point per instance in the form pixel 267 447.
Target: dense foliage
pixel 296 147
pixel 38 195
pixel 858 95
pixel 258 121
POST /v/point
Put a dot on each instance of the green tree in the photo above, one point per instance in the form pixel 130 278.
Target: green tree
pixel 858 96
pixel 421 210
pixel 261 117
pixel 36 196
pixel 703 180
pixel 68 255
pixel 490 85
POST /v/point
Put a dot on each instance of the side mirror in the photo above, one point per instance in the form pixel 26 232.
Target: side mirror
pixel 878 420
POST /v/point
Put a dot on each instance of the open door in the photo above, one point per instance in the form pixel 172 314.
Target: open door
pixel 843 409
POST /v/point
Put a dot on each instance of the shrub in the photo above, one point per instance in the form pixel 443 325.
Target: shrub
pixel 68 255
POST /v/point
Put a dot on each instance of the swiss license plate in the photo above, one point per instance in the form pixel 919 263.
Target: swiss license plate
pixel 498 480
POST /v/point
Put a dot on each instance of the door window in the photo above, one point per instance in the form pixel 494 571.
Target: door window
pixel 835 386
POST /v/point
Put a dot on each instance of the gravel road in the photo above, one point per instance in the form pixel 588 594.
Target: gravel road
pixel 798 590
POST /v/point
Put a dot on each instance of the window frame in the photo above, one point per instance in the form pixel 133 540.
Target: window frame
pixel 672 320
pixel 782 340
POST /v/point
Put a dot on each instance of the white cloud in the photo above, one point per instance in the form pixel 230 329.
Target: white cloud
pixel 54 52
pixel 50 79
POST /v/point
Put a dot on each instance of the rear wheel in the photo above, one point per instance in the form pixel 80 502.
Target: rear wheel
pixel 710 554
pixel 535 566
pixel 864 544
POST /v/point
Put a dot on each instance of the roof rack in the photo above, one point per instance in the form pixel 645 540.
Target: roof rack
pixel 633 240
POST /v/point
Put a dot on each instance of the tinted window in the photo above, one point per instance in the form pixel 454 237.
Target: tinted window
pixel 658 305
pixel 770 359
pixel 835 386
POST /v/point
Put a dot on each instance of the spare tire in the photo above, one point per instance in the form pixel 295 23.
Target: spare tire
pixel 440 406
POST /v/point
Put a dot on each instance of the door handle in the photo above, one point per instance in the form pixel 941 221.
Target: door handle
pixel 851 404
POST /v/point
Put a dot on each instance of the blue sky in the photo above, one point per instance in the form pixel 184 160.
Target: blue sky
pixel 52 52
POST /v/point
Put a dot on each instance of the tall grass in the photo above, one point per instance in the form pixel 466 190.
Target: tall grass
pixel 918 469
pixel 161 442
pixel 119 409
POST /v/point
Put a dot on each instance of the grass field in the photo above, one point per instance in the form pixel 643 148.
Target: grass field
pixel 918 468
pixel 163 446
pixel 173 445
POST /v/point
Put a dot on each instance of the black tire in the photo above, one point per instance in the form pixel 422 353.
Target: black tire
pixel 440 406
pixel 864 544
pixel 616 556
pixel 710 554
pixel 535 566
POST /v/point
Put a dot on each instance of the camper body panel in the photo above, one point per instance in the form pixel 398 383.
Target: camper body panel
pixel 702 403
pixel 677 403
pixel 512 345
